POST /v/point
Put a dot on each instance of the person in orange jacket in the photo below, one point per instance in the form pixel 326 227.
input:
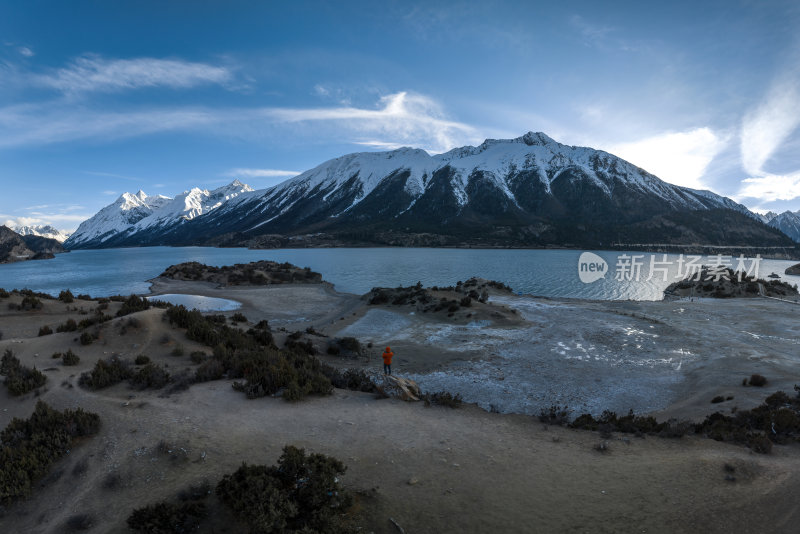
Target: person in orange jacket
pixel 387 361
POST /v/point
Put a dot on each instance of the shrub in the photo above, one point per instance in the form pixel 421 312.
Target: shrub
pixel 352 379
pixel 45 331
pixel 177 351
pixel 4 294
pixel 444 398
pixel 29 302
pixel 168 518
pixel 69 326
pixel 150 376
pixel 209 370
pixel 717 399
pixel 133 304
pixel 141 360
pixel 28 447
pixel 79 522
pixel 758 380
pixel 106 373
pixel 86 338
pixel 70 358
pixel 66 296
pixel 555 415
pixel 301 494
pixel 198 356
pixel 238 317
pixel 19 379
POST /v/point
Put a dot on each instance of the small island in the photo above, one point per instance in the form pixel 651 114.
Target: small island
pixel 710 283
pixel 257 273
pixel 794 270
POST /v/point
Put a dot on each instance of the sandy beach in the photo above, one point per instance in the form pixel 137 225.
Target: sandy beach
pixel 436 469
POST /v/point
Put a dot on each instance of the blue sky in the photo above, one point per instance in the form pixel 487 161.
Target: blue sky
pixel 98 98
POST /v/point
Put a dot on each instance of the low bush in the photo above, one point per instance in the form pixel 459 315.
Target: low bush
pixel 69 326
pixel 150 376
pixel 555 415
pixel 209 370
pixel 141 360
pixel 106 373
pixel 758 380
pixel 198 356
pixel 777 420
pixel 28 447
pixel 168 518
pixel 443 398
pixel 45 331
pixel 717 399
pixel 177 351
pixel 238 317
pixel 133 304
pixel 79 522
pixel 4 294
pixel 70 358
pixel 86 338
pixel 301 494
pixel 19 379
pixel 66 296
pixel 28 303
pixel 352 379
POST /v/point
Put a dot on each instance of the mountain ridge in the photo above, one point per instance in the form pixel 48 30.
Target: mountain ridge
pixel 527 191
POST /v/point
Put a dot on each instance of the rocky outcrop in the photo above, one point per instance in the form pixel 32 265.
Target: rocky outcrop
pixel 14 247
pixel 794 270
pixel 257 273
pixel 726 283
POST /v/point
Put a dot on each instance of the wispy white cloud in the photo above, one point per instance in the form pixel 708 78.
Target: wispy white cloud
pixel 403 119
pixel 680 158
pixel 109 192
pixel 94 73
pixel 25 51
pixel 769 188
pixel 767 126
pixel 260 173
pixel 380 145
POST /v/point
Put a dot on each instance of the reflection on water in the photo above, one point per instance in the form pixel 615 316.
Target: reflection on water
pixel 198 302
pixel 550 273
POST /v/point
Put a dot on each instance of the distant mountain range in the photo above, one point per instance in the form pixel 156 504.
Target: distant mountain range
pixel 44 230
pixel 787 222
pixel 526 192
pixel 16 247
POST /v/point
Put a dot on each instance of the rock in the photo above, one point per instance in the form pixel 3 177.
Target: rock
pixel 395 386
pixel 794 270
pixel 413 481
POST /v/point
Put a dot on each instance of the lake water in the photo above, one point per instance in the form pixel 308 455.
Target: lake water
pixel 552 273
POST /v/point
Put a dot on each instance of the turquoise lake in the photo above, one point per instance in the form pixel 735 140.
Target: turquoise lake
pixel 551 273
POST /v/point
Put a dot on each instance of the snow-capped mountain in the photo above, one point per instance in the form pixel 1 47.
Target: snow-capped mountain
pixel 42 230
pixel 131 216
pixel 528 191
pixel 787 222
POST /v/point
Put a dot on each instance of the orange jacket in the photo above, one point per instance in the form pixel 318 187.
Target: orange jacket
pixel 387 356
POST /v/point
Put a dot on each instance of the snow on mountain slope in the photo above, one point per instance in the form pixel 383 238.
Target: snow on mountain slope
pixel 117 217
pixel 189 205
pixel 131 214
pixel 527 190
pixel 43 230
pixel 788 223
pixel 496 159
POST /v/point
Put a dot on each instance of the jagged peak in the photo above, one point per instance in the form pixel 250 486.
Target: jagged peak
pixel 537 139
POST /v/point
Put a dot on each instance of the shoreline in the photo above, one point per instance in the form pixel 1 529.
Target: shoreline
pixel 415 464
